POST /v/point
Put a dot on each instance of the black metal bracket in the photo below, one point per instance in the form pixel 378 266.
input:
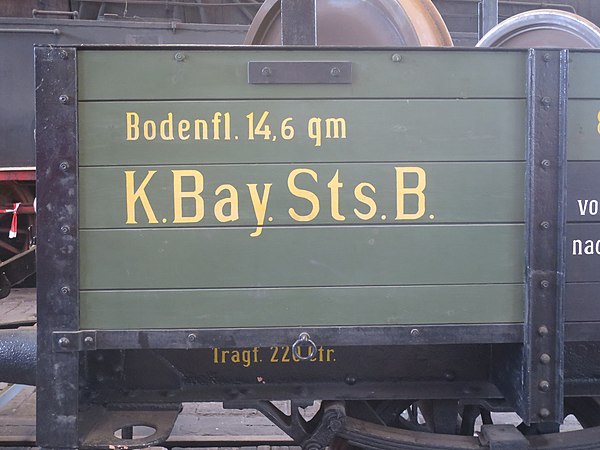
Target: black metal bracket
pixel 545 231
pixel 300 72
pixel 58 244
pixel 73 341
pixel 298 22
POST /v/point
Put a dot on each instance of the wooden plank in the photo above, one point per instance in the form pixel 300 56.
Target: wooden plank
pixel 375 130
pixel 583 252
pixel 582 69
pixel 453 193
pixel 583 129
pixel 582 301
pixel 205 74
pixel 301 256
pixel 302 307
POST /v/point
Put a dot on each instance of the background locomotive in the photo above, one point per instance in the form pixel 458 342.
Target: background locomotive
pixel 114 373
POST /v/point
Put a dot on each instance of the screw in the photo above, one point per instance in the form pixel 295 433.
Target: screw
pixel 544 386
pixel 335 425
pixel 545 225
pixel 545 163
pixel 65 229
pixel 543 330
pixel 396 57
pixel 63 54
pixel 191 337
pixel 179 56
pixel 65 290
pixel 546 101
pixel 415 332
pixel 544 412
pixel 545 358
pixel 266 71
pixel 64 99
pixel 64 342
pixel 88 340
pixel 545 284
pixel 335 72
pixel 64 166
pixel 546 57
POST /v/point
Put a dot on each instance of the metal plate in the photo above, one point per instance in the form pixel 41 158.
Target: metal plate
pixel 546 28
pixel 376 23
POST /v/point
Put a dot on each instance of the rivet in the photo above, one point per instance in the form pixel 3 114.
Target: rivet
pixel 64 99
pixel 546 101
pixel 544 412
pixel 545 225
pixel 335 72
pixel 545 284
pixel 415 332
pixel 544 386
pixel 179 56
pixel 545 358
pixel 64 342
pixel 396 57
pixel 64 166
pixel 545 163
pixel 88 340
pixel 266 71
pixel 65 229
pixel 63 54
pixel 350 380
pixel 191 337
pixel 543 330
pixel 450 375
pixel 546 57
pixel 65 290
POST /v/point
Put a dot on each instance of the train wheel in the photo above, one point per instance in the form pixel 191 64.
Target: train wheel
pixel 546 28
pixel 360 22
pixel 11 193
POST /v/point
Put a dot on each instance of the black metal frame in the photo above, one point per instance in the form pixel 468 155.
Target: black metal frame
pixel 58 244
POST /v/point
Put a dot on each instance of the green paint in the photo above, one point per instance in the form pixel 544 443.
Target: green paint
pixel 302 307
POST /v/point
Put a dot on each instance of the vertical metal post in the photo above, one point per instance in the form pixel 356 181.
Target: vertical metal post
pixel 58 246
pixel 488 16
pixel 298 22
pixel 545 232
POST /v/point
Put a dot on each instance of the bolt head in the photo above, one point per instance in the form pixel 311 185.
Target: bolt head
pixel 396 57
pixel 415 332
pixel 546 57
pixel 546 101
pixel 545 163
pixel 88 340
pixel 64 342
pixel 63 54
pixel 545 225
pixel 335 72
pixel 266 71
pixel 350 380
pixel 64 99
pixel 545 358
pixel 65 290
pixel 64 166
pixel 179 56
pixel 191 337
pixel 544 386
pixel 65 229
pixel 544 413
pixel 543 330
pixel 545 284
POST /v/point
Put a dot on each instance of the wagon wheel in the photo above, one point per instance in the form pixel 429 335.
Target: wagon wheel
pixel 375 425
pixel 15 193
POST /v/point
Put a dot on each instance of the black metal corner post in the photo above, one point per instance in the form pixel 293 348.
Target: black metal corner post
pixel 545 236
pixel 488 16
pixel 298 22
pixel 58 245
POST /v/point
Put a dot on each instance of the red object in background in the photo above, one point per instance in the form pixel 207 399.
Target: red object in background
pixel 17 175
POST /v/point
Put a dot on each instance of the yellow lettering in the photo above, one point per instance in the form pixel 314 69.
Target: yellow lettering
pixel 149 130
pixel 179 195
pixel 133 126
pixel 302 193
pixel 184 127
pixel 314 130
pixel 260 206
pixel 166 128
pixel 133 195
pixel 334 186
pixel 216 121
pixel 227 126
pixel 336 128
pixel 361 197
pixel 232 201
pixel 215 355
pixel 402 191
pixel 200 129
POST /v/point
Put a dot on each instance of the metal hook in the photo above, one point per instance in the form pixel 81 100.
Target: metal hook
pixel 304 341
